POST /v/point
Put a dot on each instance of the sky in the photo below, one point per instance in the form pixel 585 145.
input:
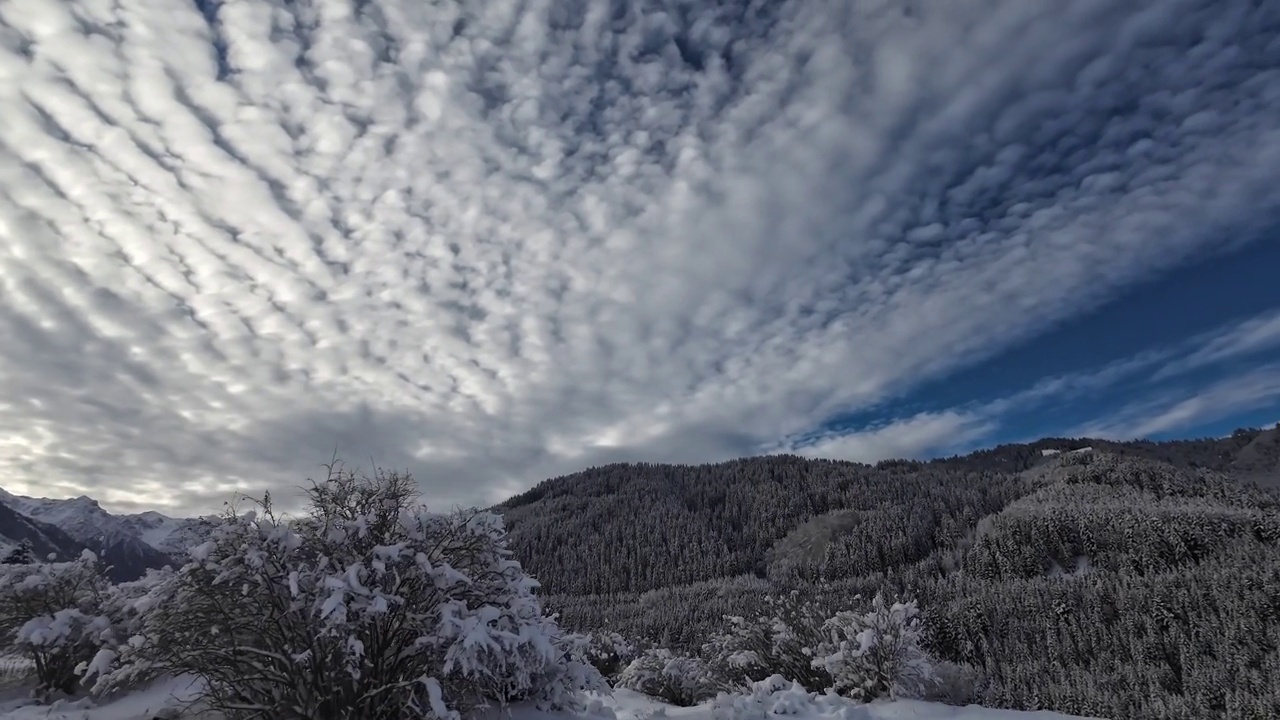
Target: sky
pixel 495 242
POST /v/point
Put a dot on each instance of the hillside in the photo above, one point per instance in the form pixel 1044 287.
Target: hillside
pixel 1137 580
pixel 637 527
pixel 642 527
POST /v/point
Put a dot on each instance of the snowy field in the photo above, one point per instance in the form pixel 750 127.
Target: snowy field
pixel 167 700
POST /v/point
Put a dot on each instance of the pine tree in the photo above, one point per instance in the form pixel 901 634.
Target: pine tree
pixel 24 554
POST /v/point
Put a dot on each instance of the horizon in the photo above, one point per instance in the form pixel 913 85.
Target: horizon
pixel 492 244
pixel 249 494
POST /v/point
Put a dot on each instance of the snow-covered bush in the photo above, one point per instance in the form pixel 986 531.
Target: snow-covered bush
pixel 609 653
pixel 368 607
pixel 782 641
pixel 878 653
pixel 775 696
pixel 863 655
pixel 52 613
pixel 679 679
pixel 128 606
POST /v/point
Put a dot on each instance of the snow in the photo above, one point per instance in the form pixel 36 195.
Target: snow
pixel 12 666
pixel 1077 451
pixel 158 700
pixel 168 696
pixel 630 705
pixel 158 530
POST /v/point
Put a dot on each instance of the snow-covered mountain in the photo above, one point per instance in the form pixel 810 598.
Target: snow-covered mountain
pixel 167 534
pixel 45 539
pixel 130 544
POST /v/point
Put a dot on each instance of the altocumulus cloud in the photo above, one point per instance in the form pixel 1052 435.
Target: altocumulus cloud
pixel 494 241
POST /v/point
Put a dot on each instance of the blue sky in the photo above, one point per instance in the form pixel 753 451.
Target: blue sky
pixel 494 242
pixel 1146 335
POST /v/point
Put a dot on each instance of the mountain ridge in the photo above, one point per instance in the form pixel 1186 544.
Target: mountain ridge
pixel 132 543
pixel 128 544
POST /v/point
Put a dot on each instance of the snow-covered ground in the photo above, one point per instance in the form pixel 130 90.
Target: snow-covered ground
pixel 169 696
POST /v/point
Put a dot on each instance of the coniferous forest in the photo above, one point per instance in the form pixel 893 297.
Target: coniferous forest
pixel 1121 580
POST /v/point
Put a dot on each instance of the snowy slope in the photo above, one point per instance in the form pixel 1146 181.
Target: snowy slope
pixel 81 518
pixel 167 534
pixel 624 705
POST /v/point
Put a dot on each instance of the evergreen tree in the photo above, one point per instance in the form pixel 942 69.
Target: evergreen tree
pixel 23 554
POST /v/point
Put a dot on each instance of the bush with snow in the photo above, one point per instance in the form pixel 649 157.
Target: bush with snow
pixel 367 607
pixel 609 652
pixel 782 641
pixel 128 606
pixel 53 614
pixel 878 653
pixel 863 655
pixel 675 678
pixel 775 696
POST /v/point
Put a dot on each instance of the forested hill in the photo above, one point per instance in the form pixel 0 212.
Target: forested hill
pixel 1130 580
pixel 640 527
pixel 635 527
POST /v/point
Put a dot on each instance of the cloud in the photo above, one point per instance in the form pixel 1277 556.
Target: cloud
pixel 493 242
pixel 1256 389
pixel 1145 394
pixel 912 437
pixel 1249 337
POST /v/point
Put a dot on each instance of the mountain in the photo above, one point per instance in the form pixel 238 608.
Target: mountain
pixel 172 536
pixel 45 539
pixel 129 544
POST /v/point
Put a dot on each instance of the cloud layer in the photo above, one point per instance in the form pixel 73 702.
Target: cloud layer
pixel 492 242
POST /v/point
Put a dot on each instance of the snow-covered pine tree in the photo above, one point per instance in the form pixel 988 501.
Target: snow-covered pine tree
pixel 609 652
pixel 369 606
pixel 23 554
